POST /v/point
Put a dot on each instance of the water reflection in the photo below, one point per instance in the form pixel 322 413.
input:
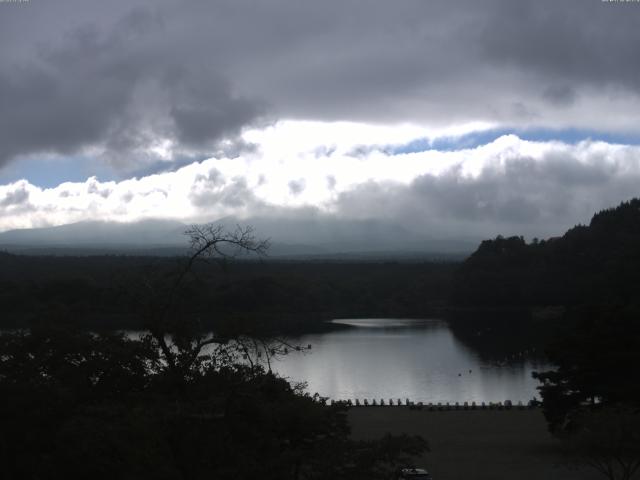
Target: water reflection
pixel 398 358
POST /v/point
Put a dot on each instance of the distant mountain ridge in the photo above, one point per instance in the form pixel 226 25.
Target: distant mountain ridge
pixel 99 234
pixel 334 235
pixel 316 236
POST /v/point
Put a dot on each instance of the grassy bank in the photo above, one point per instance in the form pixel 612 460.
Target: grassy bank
pixel 479 445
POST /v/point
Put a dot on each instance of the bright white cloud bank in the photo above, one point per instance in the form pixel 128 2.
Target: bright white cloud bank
pixel 507 186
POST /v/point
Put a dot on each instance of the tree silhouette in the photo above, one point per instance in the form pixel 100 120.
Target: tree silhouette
pixel 177 403
pixel 182 339
pixel 591 399
pixel 596 360
pixel 607 440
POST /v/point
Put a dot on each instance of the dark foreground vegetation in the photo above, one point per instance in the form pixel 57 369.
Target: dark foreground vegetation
pixel 180 402
pixel 77 405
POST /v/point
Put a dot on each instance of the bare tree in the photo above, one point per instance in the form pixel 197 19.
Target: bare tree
pixel 181 342
pixel 184 344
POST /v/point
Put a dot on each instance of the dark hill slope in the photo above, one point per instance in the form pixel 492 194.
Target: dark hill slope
pixel 598 263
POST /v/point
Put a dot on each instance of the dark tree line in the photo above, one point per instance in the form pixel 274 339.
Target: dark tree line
pixel 595 263
pixel 290 296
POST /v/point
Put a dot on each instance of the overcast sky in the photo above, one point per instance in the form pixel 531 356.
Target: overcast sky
pixel 450 117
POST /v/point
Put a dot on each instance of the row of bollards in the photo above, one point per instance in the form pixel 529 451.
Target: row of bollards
pixel 506 405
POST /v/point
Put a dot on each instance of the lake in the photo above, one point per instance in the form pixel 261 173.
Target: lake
pixel 395 358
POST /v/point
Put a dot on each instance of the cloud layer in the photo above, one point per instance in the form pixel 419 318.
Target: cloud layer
pixel 508 186
pixel 111 92
pixel 146 85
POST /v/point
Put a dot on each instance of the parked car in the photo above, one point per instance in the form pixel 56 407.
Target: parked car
pixel 414 474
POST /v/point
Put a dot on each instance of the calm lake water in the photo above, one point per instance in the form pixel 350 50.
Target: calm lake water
pixel 394 358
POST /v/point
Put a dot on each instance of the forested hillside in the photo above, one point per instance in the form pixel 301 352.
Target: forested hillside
pixel 598 263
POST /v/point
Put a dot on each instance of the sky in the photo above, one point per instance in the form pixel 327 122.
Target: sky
pixel 456 118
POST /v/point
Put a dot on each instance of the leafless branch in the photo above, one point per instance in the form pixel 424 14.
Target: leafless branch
pixel 208 241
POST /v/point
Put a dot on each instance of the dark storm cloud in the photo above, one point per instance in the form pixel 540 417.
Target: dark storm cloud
pixel 520 196
pixel 113 89
pixel 581 42
pixel 42 113
pixel 197 122
pixel 444 61
pixel 120 76
pixel 558 94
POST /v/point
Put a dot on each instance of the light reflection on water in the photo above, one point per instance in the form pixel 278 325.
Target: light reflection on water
pixel 397 358
pixel 400 358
